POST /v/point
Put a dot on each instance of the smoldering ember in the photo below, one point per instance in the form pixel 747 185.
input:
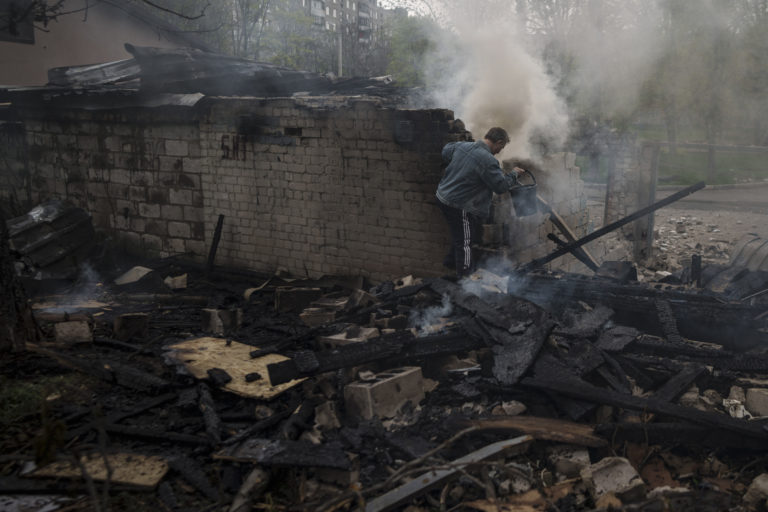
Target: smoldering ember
pixel 223 290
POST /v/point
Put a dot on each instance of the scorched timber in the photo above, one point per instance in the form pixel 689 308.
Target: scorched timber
pixel 583 391
pixel 403 345
pixel 699 317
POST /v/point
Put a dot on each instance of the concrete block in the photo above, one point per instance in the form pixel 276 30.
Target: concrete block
pixel 131 325
pixel 614 475
pixel 317 316
pixel 757 491
pixel 385 394
pixel 177 282
pixel 757 401
pixel 78 331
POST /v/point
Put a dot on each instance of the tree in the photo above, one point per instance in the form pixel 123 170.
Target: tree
pixel 411 41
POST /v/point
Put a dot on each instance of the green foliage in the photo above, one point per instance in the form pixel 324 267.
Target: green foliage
pixel 411 43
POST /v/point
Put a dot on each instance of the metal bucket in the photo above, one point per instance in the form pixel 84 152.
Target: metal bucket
pixel 524 198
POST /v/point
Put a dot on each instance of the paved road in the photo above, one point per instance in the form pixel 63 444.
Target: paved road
pixel 739 198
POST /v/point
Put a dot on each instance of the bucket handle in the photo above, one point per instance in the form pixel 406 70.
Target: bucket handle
pixel 529 174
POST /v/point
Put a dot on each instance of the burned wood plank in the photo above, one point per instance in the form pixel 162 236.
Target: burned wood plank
pixel 581 253
pixel 699 317
pixel 403 345
pixel 287 453
pixel 215 242
pixel 616 338
pixel 539 262
pixel 431 479
pixel 259 426
pixel 516 327
pixel 156 435
pixel 194 475
pixel 548 429
pixel 118 416
pixel 479 308
pixel 671 434
pixel 679 384
pixel 110 371
pixel 208 408
pixel 583 391
pixel 668 321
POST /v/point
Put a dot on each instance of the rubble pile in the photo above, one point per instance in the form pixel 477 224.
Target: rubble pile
pixel 226 390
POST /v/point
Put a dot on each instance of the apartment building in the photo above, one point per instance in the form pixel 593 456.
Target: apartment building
pixel 357 18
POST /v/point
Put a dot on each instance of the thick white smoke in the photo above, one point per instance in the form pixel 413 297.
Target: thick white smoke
pixel 484 72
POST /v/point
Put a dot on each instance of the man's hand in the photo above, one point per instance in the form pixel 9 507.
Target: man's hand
pixel 518 171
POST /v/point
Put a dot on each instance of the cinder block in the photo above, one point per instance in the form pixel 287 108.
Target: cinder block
pixel 73 332
pixel 757 401
pixel 384 395
pixel 614 475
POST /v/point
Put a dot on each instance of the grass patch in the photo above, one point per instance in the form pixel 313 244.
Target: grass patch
pixel 20 399
pixel 689 167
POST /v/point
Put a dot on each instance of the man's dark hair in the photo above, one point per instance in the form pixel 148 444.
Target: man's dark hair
pixel 497 134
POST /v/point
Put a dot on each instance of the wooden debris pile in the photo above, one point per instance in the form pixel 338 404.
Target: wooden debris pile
pixel 231 391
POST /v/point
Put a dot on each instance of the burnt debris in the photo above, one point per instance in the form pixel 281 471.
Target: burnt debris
pixel 527 389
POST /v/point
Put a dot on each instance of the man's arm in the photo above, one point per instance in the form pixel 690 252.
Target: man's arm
pixel 495 179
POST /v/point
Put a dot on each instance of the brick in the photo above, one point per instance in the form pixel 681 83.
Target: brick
pixel 385 394
pixel 179 230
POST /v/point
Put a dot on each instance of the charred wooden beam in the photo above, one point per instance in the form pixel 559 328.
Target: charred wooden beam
pixel 699 317
pixel 583 391
pixel 287 453
pixel 672 434
pixel 403 345
pixel 211 418
pixel 581 253
pixel 156 435
pixel 668 321
pixel 548 429
pixel 539 262
pixel 679 384
pixel 431 479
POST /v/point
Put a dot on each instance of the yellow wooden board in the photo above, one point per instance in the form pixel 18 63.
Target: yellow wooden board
pixel 127 469
pixel 201 354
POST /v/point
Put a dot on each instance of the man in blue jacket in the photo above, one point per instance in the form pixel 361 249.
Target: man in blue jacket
pixel 465 192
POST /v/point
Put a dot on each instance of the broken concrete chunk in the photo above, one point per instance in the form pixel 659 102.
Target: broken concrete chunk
pixel 313 317
pixel 758 490
pixel 568 460
pixel 362 299
pixel 177 282
pixel 511 408
pixel 614 475
pixel 737 393
pixel 757 401
pixel 73 332
pixel 132 275
pixel 384 395
pixel 736 408
pixel 326 417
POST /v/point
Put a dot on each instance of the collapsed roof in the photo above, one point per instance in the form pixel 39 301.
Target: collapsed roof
pixel 185 71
